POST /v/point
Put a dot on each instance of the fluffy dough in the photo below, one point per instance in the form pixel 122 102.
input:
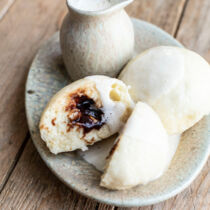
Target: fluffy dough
pixel 141 153
pixel 174 81
pixel 62 122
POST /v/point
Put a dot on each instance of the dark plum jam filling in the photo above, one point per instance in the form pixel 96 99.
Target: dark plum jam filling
pixel 88 116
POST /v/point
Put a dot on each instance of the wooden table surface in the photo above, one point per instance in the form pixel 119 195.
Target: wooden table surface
pixel 25 181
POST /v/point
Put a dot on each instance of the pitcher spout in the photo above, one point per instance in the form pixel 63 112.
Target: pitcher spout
pixel 96 7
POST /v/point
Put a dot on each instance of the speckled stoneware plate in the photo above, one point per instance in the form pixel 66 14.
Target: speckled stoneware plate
pixel 47 75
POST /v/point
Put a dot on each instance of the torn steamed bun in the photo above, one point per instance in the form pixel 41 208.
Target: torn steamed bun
pixel 85 112
pixel 174 81
pixel 141 153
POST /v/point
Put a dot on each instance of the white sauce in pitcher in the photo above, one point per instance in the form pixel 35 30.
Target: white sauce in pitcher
pixel 91 5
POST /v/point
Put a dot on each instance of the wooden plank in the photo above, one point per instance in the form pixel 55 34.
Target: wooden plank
pixel 164 14
pixel 4 7
pixel 194 30
pixel 33 186
pixel 26 25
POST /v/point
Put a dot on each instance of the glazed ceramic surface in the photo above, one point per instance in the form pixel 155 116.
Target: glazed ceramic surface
pixel 48 75
pixel 96 38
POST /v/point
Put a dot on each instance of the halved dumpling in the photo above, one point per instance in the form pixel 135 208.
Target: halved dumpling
pixel 85 112
pixel 141 153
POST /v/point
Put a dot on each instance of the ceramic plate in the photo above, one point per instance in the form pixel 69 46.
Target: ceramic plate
pixel 47 75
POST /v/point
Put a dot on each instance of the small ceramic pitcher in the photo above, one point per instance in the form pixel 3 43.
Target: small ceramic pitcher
pixel 96 37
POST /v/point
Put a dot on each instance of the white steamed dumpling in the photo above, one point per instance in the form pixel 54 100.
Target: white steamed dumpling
pixel 174 81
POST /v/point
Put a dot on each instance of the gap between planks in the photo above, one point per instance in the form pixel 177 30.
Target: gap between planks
pixel 181 18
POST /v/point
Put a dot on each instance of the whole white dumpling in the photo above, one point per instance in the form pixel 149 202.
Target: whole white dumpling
pixel 174 81
pixel 141 153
